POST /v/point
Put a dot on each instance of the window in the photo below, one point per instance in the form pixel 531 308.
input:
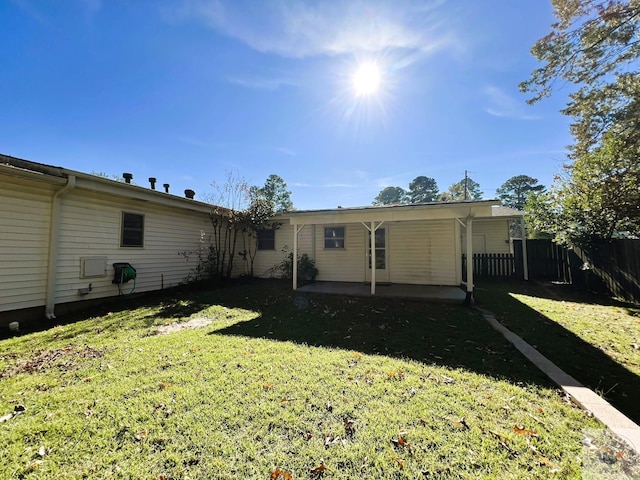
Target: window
pixel 333 237
pixel 267 239
pixel 132 230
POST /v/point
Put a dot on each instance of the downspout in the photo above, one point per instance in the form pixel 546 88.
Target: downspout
pixel 54 232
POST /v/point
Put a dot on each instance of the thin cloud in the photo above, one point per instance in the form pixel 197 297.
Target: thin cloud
pixel 286 151
pixel 262 83
pixel 504 105
pixel 339 185
pixel 305 29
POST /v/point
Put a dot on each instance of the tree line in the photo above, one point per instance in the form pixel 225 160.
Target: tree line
pixel 512 193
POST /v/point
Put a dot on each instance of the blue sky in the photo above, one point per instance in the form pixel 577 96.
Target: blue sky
pixel 189 91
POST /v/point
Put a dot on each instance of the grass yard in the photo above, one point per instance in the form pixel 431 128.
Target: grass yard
pixel 280 385
pixel 594 339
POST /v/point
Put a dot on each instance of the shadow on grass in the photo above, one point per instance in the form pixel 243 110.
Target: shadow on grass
pixel 440 334
pixel 580 359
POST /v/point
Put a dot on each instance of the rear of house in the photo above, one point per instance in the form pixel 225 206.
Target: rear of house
pixel 63 231
pixel 69 238
pixel 413 244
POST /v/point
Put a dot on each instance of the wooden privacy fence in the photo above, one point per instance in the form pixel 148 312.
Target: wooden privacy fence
pixel 608 266
pixel 613 264
pixel 491 265
pixel 546 260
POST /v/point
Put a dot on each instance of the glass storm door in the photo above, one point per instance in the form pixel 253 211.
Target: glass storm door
pixel 380 255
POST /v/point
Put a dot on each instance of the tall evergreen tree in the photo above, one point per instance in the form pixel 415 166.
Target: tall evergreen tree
pixel 514 192
pixel 422 190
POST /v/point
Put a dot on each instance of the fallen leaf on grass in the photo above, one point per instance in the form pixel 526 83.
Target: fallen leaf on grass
pixel 286 400
pixel 460 424
pixel 33 464
pixel 357 354
pixel 319 470
pixel 164 385
pixel 141 435
pixel 277 473
pixel 349 426
pixel 401 442
pixel 398 461
pixel 524 431
pixel 267 386
pixel 448 380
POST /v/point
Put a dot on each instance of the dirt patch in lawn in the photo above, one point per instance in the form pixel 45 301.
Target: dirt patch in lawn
pixel 62 358
pixel 176 327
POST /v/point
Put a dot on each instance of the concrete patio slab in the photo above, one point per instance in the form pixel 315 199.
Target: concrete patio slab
pixel 587 399
pixel 395 290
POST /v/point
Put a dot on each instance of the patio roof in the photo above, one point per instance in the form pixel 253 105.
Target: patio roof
pixel 390 213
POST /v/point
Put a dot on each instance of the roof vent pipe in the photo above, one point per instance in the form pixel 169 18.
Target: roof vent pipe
pixel 189 194
pixel 152 181
pixel 166 187
pixel 127 177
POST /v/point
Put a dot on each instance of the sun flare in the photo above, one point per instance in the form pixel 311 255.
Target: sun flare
pixel 366 80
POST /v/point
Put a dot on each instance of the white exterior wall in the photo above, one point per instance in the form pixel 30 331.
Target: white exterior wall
pixel 266 260
pixel 90 226
pixel 423 252
pixel 419 252
pixel 492 233
pixel 24 243
pixel 341 264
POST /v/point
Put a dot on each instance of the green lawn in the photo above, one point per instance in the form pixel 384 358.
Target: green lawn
pixel 594 339
pixel 280 385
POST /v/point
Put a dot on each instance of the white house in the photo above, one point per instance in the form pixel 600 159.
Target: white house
pixel 62 232
pixel 64 235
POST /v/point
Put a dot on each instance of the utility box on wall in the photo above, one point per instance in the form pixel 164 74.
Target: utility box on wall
pixel 93 267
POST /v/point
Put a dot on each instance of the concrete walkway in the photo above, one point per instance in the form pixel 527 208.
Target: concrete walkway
pixel 618 423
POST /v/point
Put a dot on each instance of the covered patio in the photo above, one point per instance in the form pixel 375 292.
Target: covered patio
pixel 446 294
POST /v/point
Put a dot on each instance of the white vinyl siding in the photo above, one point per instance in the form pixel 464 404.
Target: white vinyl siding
pixel 92 228
pixel 266 260
pixel 423 252
pixel 341 264
pixel 24 244
pixel 495 233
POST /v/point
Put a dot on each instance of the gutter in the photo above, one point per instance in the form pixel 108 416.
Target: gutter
pixel 54 233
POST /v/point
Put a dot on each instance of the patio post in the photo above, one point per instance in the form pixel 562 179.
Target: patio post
pixel 372 257
pixel 525 260
pixel 294 260
pixel 468 301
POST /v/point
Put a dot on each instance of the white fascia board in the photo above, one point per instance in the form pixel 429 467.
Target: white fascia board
pixel 16 172
pixel 394 214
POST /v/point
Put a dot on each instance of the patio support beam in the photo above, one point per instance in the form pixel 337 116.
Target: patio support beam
pixel 525 260
pixel 372 251
pixel 468 301
pixel 296 230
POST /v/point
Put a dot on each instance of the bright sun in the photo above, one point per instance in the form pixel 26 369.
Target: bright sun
pixel 366 80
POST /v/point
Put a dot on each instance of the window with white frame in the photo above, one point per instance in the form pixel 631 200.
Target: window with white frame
pixel 333 237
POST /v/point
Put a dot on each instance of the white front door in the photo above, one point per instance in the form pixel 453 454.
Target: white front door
pixel 381 256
